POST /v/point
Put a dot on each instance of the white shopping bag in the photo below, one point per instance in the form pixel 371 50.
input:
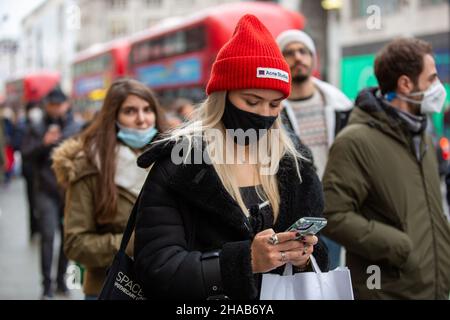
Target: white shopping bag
pixel 317 285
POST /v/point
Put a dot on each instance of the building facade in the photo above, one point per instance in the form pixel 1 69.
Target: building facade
pixel 362 27
pixel 8 60
pixel 106 20
pixel 47 40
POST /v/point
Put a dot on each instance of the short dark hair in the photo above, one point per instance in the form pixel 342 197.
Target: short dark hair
pixel 56 96
pixel 403 56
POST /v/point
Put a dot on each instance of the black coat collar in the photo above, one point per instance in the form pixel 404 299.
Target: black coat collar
pixel 199 184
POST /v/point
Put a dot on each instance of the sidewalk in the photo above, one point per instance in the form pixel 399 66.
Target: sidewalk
pixel 19 257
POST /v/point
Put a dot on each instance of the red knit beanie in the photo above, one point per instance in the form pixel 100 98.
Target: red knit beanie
pixel 250 60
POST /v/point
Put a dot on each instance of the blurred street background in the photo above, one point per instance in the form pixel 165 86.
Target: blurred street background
pixel 19 255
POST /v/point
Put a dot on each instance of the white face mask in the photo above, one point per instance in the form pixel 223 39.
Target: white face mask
pixel 433 98
pixel 35 115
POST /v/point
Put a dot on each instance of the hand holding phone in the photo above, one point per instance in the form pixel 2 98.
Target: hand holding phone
pixel 308 226
pixel 53 134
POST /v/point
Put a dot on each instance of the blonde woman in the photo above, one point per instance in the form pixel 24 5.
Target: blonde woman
pixel 212 219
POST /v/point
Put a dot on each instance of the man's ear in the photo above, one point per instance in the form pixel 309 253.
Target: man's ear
pixel 404 85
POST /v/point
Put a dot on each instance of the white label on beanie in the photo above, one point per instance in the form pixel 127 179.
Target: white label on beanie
pixel 272 74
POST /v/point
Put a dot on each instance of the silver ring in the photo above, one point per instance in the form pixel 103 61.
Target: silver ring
pixel 273 240
pixel 283 256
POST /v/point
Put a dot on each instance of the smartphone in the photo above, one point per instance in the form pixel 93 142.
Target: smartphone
pixel 308 226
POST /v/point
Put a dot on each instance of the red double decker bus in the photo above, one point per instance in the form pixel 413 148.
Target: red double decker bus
pixel 93 70
pixel 30 87
pixel 175 58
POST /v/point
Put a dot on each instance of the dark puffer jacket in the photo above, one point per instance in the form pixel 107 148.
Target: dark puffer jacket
pixel 192 239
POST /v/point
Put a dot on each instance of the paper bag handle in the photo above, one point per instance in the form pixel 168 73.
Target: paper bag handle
pixel 288 267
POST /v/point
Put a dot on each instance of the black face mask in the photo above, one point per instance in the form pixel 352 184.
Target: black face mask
pixel 235 118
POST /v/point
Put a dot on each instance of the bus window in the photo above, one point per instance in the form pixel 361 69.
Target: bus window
pixel 93 72
pixel 176 43
pixel 176 61
pixel 96 65
pixel 195 39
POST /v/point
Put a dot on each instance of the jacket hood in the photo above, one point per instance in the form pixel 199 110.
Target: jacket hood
pixel 334 98
pixel 70 163
pixel 372 104
pixel 155 151
pixel 373 111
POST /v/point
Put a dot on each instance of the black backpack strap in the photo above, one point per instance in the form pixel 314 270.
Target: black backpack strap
pixel 130 225
pixel 211 275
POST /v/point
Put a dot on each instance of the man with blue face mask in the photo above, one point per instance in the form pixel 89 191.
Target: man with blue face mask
pixel 381 185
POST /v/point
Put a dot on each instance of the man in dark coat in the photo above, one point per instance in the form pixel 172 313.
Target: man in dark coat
pixel 34 115
pixel 39 141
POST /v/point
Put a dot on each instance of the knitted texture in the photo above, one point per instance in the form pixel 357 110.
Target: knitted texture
pixel 251 59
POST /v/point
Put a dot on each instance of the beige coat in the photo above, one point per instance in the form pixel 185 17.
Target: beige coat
pixel 87 242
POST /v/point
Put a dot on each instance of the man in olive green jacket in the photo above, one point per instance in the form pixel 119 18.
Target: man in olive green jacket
pixel 381 185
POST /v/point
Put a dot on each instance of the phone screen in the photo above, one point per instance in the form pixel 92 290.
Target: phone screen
pixel 308 225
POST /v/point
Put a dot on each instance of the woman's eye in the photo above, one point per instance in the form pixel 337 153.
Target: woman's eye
pixel 129 111
pixel 252 103
pixel 275 105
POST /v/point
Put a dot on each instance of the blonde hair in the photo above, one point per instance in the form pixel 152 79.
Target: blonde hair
pixel 208 116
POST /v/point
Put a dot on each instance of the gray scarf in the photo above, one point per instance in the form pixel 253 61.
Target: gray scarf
pixel 415 124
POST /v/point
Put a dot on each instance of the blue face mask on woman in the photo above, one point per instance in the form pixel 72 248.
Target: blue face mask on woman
pixel 136 138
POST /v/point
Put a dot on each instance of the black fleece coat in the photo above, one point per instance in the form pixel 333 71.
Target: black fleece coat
pixel 186 217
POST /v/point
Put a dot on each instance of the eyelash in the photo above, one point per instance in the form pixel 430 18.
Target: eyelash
pixel 131 111
pixel 271 105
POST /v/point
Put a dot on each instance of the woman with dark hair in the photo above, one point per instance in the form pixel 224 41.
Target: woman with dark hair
pixel 102 181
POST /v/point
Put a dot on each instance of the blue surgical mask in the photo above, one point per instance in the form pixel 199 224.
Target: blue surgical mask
pixel 136 138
